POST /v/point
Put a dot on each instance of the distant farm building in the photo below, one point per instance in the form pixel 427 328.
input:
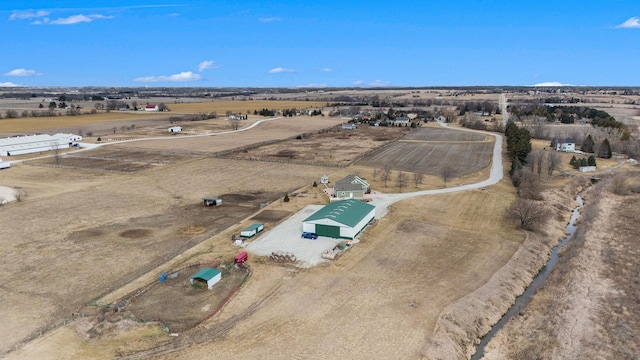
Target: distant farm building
pixel 4 164
pixel 21 145
pixel 252 230
pixel 566 145
pixel 401 121
pixel 587 168
pixel 175 129
pixel 152 108
pixel 208 201
pixel 206 276
pixel 340 219
pixel 351 186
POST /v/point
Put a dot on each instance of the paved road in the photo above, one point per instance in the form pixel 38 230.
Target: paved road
pixel 383 202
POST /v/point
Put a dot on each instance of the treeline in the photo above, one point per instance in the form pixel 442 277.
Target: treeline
pixel 569 115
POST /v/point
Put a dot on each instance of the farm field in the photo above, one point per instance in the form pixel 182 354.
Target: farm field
pixel 278 129
pixel 241 107
pixel 372 292
pixel 143 212
pixel 335 146
pixel 429 150
pixel 98 231
pixel 104 121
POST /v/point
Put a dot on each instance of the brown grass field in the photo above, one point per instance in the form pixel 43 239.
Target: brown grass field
pixel 241 107
pixel 82 238
pixel 125 118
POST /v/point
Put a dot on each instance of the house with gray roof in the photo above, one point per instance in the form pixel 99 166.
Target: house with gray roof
pixel 351 186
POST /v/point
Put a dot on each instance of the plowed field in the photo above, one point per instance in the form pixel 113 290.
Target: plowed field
pixel 428 150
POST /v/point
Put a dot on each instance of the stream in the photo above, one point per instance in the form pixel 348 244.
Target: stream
pixel 522 300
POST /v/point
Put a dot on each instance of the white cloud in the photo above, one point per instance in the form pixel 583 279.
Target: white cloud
pixel 28 14
pixel 326 70
pixel 280 70
pixel 631 23
pixel 372 83
pixel 183 76
pixel 21 72
pixel 8 84
pixel 270 19
pixel 313 86
pixel 76 19
pixel 207 64
pixel 552 83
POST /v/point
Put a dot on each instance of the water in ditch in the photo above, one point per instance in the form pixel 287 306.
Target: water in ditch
pixel 538 280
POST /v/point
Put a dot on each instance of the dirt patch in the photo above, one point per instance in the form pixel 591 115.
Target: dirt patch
pixel 179 305
pixel 271 215
pixel 193 230
pixel 335 146
pixel 135 233
pixel 113 159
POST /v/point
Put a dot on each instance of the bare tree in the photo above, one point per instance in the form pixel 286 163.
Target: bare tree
pixel 402 180
pixel 447 172
pixel 540 160
pixel 528 214
pixel 553 162
pixel 537 126
pixel 418 178
pixel 385 174
pixel 375 173
pixel 235 124
pixel 530 186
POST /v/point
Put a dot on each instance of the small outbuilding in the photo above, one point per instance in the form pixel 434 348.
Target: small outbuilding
pixel 207 201
pixel 252 230
pixel 343 219
pixel 175 129
pixel 208 276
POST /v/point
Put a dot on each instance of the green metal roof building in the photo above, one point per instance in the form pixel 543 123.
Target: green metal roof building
pixel 343 219
pixel 210 276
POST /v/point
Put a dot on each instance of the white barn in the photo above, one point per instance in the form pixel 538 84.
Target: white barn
pixel 343 219
pixel 20 145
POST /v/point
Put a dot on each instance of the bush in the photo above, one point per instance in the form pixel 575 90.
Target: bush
pixel 315 184
pixel 528 214
pixel 286 198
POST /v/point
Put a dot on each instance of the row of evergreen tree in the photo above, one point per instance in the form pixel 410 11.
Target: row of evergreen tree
pixel 518 146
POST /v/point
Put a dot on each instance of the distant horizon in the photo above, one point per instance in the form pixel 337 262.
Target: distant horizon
pixel 332 44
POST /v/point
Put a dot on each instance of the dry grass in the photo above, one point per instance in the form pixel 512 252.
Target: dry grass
pixel 241 107
pixel 32 124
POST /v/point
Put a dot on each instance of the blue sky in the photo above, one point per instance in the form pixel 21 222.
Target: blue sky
pixel 319 43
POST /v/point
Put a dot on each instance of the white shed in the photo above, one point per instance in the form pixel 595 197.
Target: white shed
pixel 252 230
pixel 175 129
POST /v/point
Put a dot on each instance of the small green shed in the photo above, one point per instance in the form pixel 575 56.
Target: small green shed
pixel 209 276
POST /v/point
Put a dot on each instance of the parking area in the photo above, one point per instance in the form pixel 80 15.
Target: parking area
pixel 286 237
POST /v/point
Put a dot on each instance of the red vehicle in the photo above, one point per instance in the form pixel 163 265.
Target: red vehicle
pixel 241 258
